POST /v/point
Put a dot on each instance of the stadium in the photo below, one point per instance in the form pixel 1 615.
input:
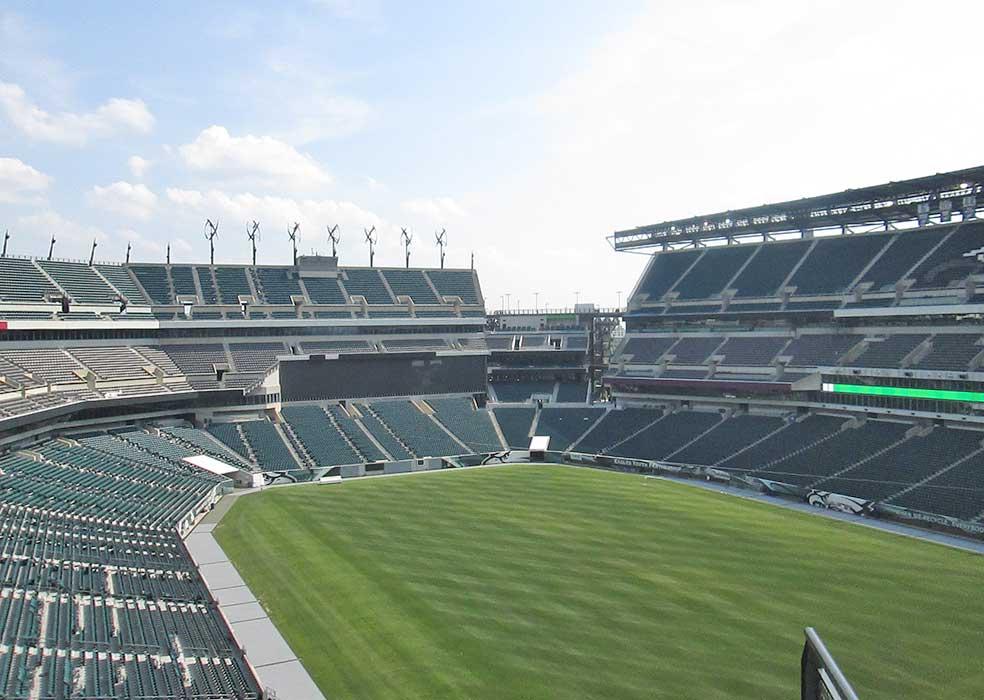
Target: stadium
pixel 586 502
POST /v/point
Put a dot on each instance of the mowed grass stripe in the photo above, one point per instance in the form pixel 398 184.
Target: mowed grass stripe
pixel 547 581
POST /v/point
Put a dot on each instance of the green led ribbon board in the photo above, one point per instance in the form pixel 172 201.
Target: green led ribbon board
pixel 906 393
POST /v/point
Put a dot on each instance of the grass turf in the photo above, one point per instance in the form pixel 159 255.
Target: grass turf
pixel 547 582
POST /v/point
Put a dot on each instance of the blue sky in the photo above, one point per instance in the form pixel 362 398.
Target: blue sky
pixel 528 130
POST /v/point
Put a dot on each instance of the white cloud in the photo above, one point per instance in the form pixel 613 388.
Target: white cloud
pixel 114 116
pixel 272 161
pixel 189 208
pixel 325 116
pixel 73 239
pixel 351 9
pixel 19 182
pixel 138 166
pixel 124 198
pixel 435 209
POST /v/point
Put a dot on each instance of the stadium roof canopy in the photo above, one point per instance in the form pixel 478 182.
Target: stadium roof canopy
pixel 886 204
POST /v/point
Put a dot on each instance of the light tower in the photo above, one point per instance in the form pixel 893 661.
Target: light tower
pixel 128 247
pixel 442 242
pixel 371 240
pixel 407 238
pixel 92 253
pixel 211 231
pixel 51 246
pixel 167 257
pixel 6 237
pixel 334 236
pixel 252 231
pixel 292 235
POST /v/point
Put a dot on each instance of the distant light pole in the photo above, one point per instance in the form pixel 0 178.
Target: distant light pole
pixel 620 300
pixel 507 301
pixel 536 301
pixel 577 298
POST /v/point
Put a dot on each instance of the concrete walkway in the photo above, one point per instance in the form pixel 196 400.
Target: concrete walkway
pixel 276 664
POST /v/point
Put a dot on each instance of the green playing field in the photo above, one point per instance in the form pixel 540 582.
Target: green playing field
pixel 560 582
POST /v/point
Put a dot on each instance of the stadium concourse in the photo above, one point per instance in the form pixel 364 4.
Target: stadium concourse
pixel 844 370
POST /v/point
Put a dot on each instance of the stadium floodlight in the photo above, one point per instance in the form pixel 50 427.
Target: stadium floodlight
pixel 334 236
pixel 371 240
pixel 51 247
pixel 211 231
pixel 128 247
pixel 92 252
pixel 442 241
pixel 407 238
pixel 252 232
pixel 292 230
pixel 167 255
pixel 6 237
pixel 820 677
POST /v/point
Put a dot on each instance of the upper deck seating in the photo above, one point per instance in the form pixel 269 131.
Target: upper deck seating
pixel 906 250
pixel 81 282
pixel 834 263
pixel 664 271
pixel 119 277
pixel 949 263
pixel 276 285
pixel 183 281
pixel 324 290
pixel 153 278
pixel 21 281
pixel 232 284
pixel 411 283
pixel 458 283
pixel 368 283
pixel 769 268
pixel 210 295
pixel 708 277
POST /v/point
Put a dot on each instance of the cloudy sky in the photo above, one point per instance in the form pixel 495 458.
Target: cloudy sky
pixel 530 130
